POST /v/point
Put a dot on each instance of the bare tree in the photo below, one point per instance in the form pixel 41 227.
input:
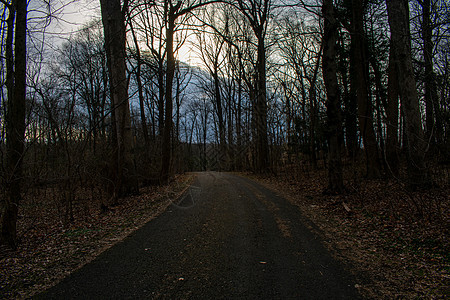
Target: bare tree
pixel 392 144
pixel 429 80
pixel 211 50
pixel 138 76
pixel 360 83
pixel 258 14
pixel 329 69
pixel 398 12
pixel 113 17
pixel 15 117
pixel 171 13
pixel 301 49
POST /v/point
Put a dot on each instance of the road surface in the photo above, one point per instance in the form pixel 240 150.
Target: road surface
pixel 226 238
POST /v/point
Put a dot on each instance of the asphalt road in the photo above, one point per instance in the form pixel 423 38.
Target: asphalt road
pixel 226 238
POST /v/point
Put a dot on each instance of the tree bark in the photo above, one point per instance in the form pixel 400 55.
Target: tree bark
pixel 161 96
pixel 380 100
pixel 312 108
pixel 361 85
pixel 218 99
pixel 350 107
pixel 329 69
pixel 15 119
pixel 239 160
pixel 168 122
pixel 429 80
pixel 113 19
pixel 398 14
pixel 261 108
pixel 392 119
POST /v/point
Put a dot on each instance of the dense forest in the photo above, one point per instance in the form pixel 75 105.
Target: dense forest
pixel 146 90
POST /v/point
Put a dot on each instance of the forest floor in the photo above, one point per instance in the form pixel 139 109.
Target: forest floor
pixel 50 248
pixel 394 241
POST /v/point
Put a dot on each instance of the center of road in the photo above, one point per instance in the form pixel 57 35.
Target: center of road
pixel 227 237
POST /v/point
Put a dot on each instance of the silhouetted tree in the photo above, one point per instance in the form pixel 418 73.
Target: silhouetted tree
pixel 16 59
pixel 113 17
pixel 398 11
pixel 329 69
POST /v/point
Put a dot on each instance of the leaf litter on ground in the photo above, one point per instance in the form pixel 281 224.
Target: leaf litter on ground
pixel 51 248
pixel 376 229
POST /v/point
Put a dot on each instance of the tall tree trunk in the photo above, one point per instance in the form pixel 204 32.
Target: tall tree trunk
pixel 218 100
pixel 329 69
pixel 350 107
pixel 312 108
pixel 176 134
pixel 113 19
pixel 361 75
pixel 239 162
pixel 262 145
pixel 351 122
pixel 168 122
pixel 380 100
pixel 430 83
pixel 392 145
pixel 161 96
pixel 229 122
pixel 139 86
pixel 15 119
pixel 312 124
pixel 398 14
pixel 289 118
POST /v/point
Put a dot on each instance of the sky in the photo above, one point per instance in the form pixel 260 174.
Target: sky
pixel 70 16
pixel 76 13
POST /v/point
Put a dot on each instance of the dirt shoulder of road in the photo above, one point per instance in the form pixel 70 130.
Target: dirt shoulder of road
pixel 394 242
pixel 50 250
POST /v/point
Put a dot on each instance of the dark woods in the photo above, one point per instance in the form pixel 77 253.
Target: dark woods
pixel 152 89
